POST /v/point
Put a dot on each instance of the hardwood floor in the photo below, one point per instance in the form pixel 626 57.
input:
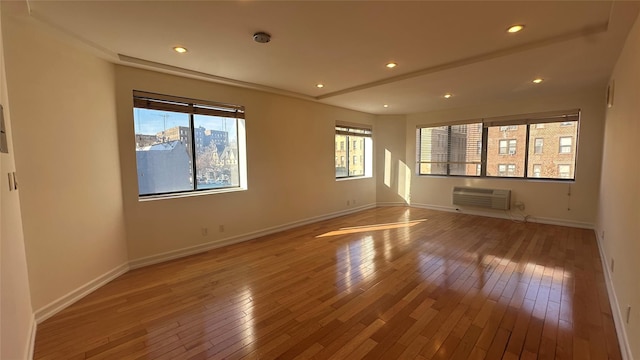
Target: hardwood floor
pixel 386 283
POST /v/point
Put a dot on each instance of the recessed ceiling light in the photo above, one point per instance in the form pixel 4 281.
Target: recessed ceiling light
pixel 180 49
pixel 537 80
pixel 446 96
pixel 391 65
pixel 385 105
pixel 319 86
pixel 515 28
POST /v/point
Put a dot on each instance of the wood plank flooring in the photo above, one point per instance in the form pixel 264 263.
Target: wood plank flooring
pixel 386 283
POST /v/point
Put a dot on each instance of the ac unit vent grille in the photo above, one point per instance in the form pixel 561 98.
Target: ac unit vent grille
pixel 485 198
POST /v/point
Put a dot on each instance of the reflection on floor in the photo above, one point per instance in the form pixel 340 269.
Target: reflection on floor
pixel 388 283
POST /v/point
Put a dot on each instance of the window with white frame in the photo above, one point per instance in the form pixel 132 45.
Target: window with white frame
pixel 565 144
pixel 185 145
pixel 509 147
pixel 538 144
pixel 537 170
pixel 564 171
pixel 355 160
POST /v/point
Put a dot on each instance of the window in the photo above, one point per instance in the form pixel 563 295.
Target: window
pixel 539 142
pixel 358 156
pixel 449 150
pixel 506 147
pixel 507 170
pixel 537 170
pixel 564 171
pixel 565 144
pixel 170 162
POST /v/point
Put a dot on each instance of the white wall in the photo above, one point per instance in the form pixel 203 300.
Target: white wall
pixel 16 315
pixel 618 224
pixel 392 170
pixel 65 139
pixel 545 201
pixel 291 176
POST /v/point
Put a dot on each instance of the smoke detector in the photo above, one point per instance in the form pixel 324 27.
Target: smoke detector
pixel 261 37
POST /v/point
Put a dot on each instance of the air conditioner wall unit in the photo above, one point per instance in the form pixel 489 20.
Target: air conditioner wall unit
pixel 498 199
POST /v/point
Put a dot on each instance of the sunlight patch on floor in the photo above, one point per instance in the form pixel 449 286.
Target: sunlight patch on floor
pixel 376 227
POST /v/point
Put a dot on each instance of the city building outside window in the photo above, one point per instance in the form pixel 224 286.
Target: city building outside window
pixel 189 145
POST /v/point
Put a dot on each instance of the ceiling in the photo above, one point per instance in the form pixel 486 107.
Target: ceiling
pixel 457 47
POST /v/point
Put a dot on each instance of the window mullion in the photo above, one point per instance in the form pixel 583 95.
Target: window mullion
pixel 526 152
pixel 448 150
pixel 346 147
pixel 483 154
pixel 194 178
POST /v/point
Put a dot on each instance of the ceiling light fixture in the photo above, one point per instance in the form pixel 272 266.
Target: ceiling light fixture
pixel 446 96
pixel 391 65
pixel 515 28
pixel 385 105
pixel 319 86
pixel 537 80
pixel 180 49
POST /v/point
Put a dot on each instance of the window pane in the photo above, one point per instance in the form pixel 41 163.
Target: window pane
pixel 463 154
pixel 163 152
pixel 356 168
pixel 341 154
pixel 506 147
pixel 216 143
pixel 433 150
pixel 453 150
pixel 546 161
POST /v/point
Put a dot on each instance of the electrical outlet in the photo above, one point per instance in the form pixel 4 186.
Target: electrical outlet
pixel 519 205
pixel 628 313
pixel 205 231
pixel 612 263
pixel 348 202
pixel 221 228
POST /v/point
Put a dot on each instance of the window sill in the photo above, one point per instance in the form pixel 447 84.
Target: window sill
pixel 189 194
pixel 353 178
pixel 509 178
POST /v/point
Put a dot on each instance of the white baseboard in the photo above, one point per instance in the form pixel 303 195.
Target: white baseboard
pixel 32 338
pixel 399 203
pixel 175 254
pixel 61 303
pixel 503 215
pixel 623 340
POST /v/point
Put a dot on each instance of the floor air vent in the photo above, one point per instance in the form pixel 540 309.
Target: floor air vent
pixel 485 198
